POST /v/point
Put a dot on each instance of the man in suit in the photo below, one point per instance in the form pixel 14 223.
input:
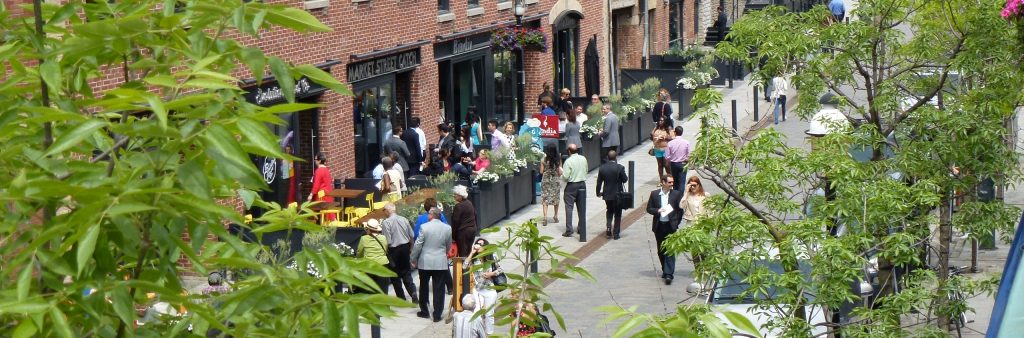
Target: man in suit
pixel 609 133
pixel 412 141
pixel 664 205
pixel 447 141
pixel 610 177
pixel 395 144
pixel 430 256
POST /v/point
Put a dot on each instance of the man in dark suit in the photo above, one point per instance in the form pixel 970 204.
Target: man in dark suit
pixel 610 177
pixel 447 141
pixel 396 144
pixel 664 204
pixel 412 141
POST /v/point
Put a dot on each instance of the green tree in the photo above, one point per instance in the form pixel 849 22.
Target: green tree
pixel 98 184
pixel 925 88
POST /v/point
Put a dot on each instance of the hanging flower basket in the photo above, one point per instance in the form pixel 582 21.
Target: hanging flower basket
pixel 512 38
pixel 1013 12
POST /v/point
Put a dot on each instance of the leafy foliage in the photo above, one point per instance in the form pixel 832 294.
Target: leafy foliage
pixel 99 183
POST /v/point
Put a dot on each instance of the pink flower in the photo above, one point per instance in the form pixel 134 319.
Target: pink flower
pixel 1012 10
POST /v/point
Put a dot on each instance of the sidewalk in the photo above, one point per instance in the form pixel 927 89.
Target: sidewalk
pixel 569 295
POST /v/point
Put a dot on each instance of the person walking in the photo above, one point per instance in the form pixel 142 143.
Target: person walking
pixel 678 155
pixel 572 128
pixel 393 182
pixel 609 132
pixel 838 9
pixel 550 171
pixel 660 136
pixel 693 200
pixel 422 219
pixel 373 246
pixel 399 236
pixel 430 256
pixel 395 144
pixel 574 172
pixel 322 181
pixel 664 205
pixel 487 296
pixel 610 178
pixel 463 221
pixel 662 109
pixel 780 86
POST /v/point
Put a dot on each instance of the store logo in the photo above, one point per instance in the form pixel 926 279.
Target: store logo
pixel 461 46
pixel 275 93
pixel 269 169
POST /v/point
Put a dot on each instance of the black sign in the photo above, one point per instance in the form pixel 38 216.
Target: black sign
pixel 383 65
pixel 270 91
pixel 461 46
pixel 269 169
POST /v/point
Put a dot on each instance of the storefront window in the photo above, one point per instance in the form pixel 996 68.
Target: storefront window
pixel 675 24
pixel 373 113
pixel 504 85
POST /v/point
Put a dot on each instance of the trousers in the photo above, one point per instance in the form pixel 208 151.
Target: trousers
pixel 613 216
pixel 668 262
pixel 678 174
pixel 400 255
pixel 575 194
pixel 435 280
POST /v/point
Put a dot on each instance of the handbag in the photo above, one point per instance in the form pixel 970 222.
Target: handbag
pixel 385 184
pixel 453 250
pixel 650 152
pixel 625 199
pixel 391 263
pixel 500 279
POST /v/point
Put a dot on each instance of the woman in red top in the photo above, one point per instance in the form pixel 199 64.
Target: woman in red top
pixel 322 181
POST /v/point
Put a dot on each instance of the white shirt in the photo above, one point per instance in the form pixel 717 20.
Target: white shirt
pixel 780 86
pixel 423 138
pixel 378 172
pixel 664 203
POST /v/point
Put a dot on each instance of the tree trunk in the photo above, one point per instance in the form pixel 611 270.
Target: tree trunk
pixel 945 237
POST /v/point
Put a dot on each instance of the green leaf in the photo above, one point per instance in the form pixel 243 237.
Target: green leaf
pixel 25 329
pixel 256 61
pixel 157 106
pixel 50 72
pixel 323 78
pixel 258 134
pixel 284 77
pixel 86 246
pixel 61 322
pixel 332 320
pixel 75 136
pixel 122 302
pixel 161 80
pixel 25 280
pixel 207 83
pixel 742 322
pixel 295 19
pixel 28 306
pixel 128 208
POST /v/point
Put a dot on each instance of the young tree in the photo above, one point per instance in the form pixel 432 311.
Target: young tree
pixel 98 184
pixel 925 89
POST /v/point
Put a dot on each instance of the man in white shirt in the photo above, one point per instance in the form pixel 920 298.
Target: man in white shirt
pixel 664 205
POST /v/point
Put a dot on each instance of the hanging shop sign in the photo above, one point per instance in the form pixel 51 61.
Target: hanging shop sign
pixel 384 65
pixel 462 45
pixel 269 92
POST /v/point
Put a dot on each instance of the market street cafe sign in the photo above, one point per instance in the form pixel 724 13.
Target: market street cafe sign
pixel 383 65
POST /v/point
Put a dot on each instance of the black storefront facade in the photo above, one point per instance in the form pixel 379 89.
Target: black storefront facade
pixel 382 98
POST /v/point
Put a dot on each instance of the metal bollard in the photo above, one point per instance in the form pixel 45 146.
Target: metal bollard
pixel 756 104
pixel 532 256
pixel 583 207
pixel 734 125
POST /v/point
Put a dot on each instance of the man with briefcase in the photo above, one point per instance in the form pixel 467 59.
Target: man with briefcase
pixel 611 176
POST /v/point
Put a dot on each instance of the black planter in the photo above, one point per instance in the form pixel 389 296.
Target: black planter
pixel 592 152
pixel 521 190
pixel 646 125
pixel 629 133
pixel 685 103
pixel 490 203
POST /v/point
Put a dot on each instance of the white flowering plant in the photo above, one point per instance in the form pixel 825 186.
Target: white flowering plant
pixel 343 249
pixel 486 176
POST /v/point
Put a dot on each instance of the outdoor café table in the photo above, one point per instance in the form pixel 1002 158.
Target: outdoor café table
pixel 345 193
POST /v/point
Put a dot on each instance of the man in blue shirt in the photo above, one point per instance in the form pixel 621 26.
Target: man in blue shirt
pixel 422 218
pixel 838 9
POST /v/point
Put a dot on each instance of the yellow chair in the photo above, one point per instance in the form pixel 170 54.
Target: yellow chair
pixel 372 204
pixel 337 224
pixel 325 212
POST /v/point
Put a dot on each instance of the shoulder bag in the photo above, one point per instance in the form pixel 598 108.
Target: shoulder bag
pixel 500 279
pixel 385 184
pixel 625 199
pixel 391 263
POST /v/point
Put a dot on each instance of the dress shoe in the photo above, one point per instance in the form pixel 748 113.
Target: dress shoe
pixel 437 320
pixel 422 315
pixel 616 237
pixel 668 281
pixel 415 299
pixel 567 234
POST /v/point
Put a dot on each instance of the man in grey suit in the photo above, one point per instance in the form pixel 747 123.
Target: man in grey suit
pixel 609 133
pixel 395 144
pixel 430 256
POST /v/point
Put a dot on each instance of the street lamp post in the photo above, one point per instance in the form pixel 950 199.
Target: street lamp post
pixel 520 11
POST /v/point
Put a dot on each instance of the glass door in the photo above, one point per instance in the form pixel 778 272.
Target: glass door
pixel 566 42
pixel 374 111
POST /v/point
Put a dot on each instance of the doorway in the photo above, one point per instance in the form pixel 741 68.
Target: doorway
pixel 566 53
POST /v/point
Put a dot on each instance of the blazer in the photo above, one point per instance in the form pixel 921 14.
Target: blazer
pixel 675 198
pixel 610 177
pixel 397 145
pixel 412 141
pixel 610 135
pixel 661 110
pixel 572 134
pixel 430 252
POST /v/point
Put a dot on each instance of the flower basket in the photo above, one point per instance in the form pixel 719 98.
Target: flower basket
pixel 513 38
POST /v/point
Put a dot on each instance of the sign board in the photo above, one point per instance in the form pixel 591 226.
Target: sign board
pixel 548 125
pixel 383 65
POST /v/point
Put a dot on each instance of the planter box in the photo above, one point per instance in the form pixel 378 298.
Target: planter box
pixel 646 126
pixel 685 103
pixel 490 203
pixel 521 190
pixel 629 130
pixel 592 152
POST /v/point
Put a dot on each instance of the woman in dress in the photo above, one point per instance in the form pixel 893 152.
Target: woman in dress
pixel 484 277
pixel 322 181
pixel 572 131
pixel 393 174
pixel 551 178
pixel 693 200
pixel 482 161
pixel 660 136
pixel 510 133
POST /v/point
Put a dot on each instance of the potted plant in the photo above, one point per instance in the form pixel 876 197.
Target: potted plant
pixel 513 38
pixel 698 75
pixel 680 55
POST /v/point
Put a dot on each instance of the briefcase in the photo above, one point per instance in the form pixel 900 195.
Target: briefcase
pixel 625 199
